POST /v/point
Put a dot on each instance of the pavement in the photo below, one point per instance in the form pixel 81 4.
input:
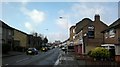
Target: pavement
pixel 12 53
pixel 70 60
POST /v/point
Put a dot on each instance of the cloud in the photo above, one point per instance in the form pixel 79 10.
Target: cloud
pixel 33 17
pixel 29 26
pixel 85 10
pixel 57 36
pixel 36 16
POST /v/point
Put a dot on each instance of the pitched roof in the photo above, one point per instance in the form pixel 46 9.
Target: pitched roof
pixel 4 25
pixel 82 24
pixel 115 24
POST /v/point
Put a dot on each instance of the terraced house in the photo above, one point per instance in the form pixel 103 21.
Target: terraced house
pixel 112 37
pixel 6 33
pixel 88 34
pixel 20 40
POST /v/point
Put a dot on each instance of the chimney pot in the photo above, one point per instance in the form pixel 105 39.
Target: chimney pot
pixel 97 17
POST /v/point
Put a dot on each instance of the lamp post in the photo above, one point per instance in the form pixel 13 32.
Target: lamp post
pixel 67 32
pixel 67 26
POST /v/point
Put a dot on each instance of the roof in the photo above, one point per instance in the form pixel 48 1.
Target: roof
pixel 81 24
pixel 20 31
pixel 115 24
pixel 72 27
pixel 4 25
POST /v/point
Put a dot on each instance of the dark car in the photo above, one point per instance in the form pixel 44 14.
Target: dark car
pixel 32 51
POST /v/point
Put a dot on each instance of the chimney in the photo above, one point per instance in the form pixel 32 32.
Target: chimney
pixel 97 17
pixel 35 34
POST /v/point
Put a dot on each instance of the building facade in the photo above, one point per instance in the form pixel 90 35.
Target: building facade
pixel 88 34
pixel 6 33
pixel 112 36
pixel 20 40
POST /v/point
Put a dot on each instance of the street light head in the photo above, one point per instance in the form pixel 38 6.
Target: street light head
pixel 60 17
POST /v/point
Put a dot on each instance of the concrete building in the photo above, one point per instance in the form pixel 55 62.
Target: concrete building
pixel 112 36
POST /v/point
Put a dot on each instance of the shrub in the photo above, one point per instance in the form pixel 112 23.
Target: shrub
pixel 99 53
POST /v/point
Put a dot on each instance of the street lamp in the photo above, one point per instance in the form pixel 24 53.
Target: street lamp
pixel 67 32
pixel 67 25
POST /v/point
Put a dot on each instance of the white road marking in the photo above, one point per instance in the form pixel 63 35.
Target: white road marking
pixel 21 60
pixel 57 62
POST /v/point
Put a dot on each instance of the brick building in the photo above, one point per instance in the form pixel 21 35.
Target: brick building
pixel 112 36
pixel 88 34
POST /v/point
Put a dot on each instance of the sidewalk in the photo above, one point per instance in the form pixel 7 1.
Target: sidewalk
pixel 12 53
pixel 69 60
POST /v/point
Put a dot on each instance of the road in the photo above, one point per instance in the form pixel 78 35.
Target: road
pixel 43 58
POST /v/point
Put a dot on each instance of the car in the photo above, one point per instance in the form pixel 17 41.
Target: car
pixel 64 49
pixel 32 51
pixel 44 49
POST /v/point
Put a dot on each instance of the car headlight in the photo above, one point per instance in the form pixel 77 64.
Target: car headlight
pixel 43 48
pixel 29 51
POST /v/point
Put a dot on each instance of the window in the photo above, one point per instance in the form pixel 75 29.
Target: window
pixel 112 33
pixel 73 30
pixel 106 35
pixel 91 28
pixel 91 34
pixel 91 31
pixel 9 32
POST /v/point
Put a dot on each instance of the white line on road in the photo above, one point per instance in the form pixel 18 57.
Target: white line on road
pixel 21 60
pixel 57 62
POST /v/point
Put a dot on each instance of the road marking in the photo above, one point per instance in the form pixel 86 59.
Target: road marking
pixel 21 60
pixel 57 62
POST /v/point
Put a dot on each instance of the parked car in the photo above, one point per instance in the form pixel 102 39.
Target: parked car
pixel 64 49
pixel 32 51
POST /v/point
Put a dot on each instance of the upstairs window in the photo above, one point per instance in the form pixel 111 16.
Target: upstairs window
pixel 112 33
pixel 91 31
pixel 106 35
pixel 91 28
pixel 90 34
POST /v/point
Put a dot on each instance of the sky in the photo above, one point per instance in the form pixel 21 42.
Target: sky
pixel 44 17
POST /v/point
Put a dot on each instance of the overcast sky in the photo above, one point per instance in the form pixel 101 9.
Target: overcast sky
pixel 43 17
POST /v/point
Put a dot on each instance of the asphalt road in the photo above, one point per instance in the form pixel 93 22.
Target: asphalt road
pixel 43 58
